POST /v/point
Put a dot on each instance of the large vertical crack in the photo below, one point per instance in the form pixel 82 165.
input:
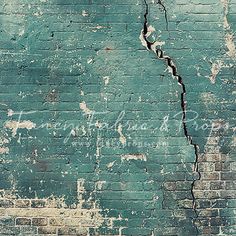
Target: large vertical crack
pixel 173 70
pixel 165 12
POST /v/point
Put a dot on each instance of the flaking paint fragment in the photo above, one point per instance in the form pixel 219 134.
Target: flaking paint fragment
pixel 151 29
pixel 122 138
pixel 229 37
pixel 4 150
pixel 15 125
pixel 215 69
pixel 229 40
pixel 106 80
pixel 84 108
pixel 10 112
pixel 128 157
pixel 84 13
pixel 56 208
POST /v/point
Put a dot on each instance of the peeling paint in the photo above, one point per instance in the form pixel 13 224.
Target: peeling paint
pixel 78 216
pixel 84 108
pixel 128 157
pixel 208 98
pixel 150 30
pixel 106 79
pixel 122 138
pixel 229 36
pixel 111 164
pixel 215 69
pixel 15 125
pixel 10 112
pixel 84 13
pixel 229 40
pixel 4 150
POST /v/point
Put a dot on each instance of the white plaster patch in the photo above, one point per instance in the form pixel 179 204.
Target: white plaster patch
pixel 151 29
pixel 106 79
pixel 3 141
pixel 128 157
pixel 215 69
pixel 99 185
pixel 84 13
pixel 229 37
pixel 12 24
pixel 122 137
pixel 84 108
pixel 10 112
pixel 4 150
pixel 77 216
pixel 229 40
pixel 89 61
pixel 15 125
pixel 111 164
pixel 208 98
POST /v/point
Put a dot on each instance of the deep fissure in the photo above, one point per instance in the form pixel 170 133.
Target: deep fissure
pixel 169 61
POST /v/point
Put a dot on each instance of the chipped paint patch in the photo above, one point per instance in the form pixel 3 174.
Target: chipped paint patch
pixel 4 150
pixel 55 207
pixel 208 98
pixel 89 61
pixel 84 108
pixel 106 79
pixel 10 112
pixel 215 69
pixel 122 138
pixel 84 13
pixel 226 11
pixel 111 164
pixel 229 37
pixel 15 125
pixel 128 157
pixel 99 185
pixel 229 40
pixel 151 29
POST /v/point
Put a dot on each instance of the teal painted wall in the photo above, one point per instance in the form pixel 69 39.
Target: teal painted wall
pixel 92 138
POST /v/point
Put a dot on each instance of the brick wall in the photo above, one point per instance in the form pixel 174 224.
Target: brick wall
pixel 117 117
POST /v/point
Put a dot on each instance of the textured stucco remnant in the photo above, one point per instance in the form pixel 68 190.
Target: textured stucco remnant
pixel 15 125
pixel 4 150
pixel 229 36
pixel 155 44
pixel 229 40
pixel 85 109
pixel 215 69
pixel 122 138
pixel 60 216
pixel 128 157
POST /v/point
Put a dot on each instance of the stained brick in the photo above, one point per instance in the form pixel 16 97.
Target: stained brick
pixel 39 221
pixel 23 221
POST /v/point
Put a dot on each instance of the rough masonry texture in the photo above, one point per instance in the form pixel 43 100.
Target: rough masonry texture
pixel 117 117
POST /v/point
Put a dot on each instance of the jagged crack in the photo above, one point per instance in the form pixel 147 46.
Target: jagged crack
pixel 165 12
pixel 173 69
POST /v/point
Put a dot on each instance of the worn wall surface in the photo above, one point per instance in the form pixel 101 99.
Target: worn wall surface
pixel 117 117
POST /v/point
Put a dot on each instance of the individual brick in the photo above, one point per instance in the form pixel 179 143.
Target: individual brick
pixel 23 221
pixel 39 221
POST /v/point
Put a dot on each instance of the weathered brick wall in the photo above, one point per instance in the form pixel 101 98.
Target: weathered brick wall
pixel 103 135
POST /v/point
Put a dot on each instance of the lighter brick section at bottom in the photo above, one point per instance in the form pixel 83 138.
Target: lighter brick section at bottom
pixel 57 213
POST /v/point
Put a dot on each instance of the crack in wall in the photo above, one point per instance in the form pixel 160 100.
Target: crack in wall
pixel 165 12
pixel 173 70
